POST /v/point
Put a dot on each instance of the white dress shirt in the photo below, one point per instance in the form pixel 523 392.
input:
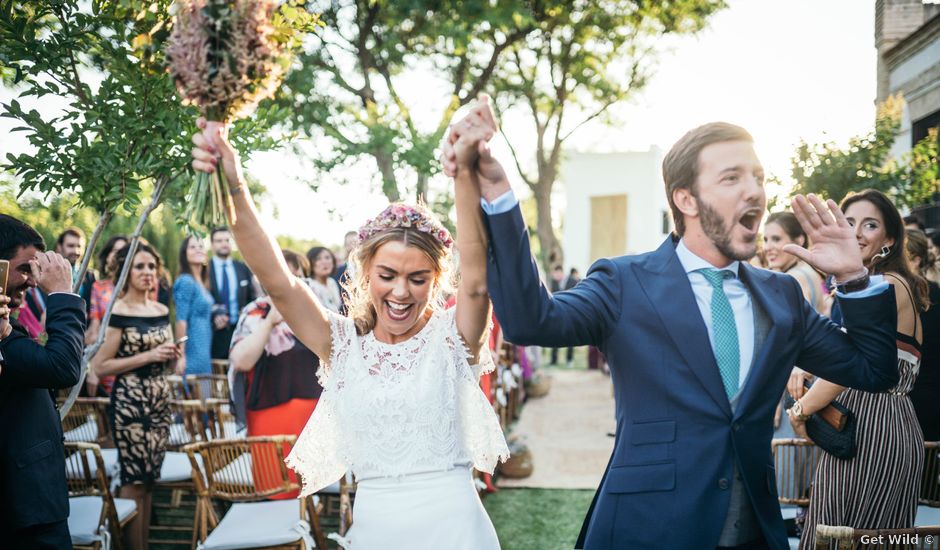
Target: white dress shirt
pixel 738 296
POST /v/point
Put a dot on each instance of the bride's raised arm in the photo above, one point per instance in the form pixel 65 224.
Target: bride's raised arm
pixel 469 141
pixel 293 298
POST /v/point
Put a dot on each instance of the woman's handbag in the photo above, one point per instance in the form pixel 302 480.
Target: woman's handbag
pixel 840 443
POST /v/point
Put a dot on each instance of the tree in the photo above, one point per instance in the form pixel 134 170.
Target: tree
pixel 121 126
pixel 584 57
pixel 866 162
pixel 833 171
pixel 351 88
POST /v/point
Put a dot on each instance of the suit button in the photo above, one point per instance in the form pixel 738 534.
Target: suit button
pixel 736 426
pixel 723 484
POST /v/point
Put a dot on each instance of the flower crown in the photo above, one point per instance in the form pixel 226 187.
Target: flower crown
pixel 403 215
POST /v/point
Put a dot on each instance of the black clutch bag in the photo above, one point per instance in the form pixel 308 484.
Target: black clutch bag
pixel 838 443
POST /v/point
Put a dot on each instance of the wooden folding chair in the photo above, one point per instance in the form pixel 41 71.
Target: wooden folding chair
pixel 210 386
pixel 87 421
pixel 246 472
pixel 847 538
pixel 96 518
pixel 795 466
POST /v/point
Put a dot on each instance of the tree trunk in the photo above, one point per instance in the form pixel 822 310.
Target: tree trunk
pixel 90 248
pixel 552 253
pixel 384 161
pixel 421 192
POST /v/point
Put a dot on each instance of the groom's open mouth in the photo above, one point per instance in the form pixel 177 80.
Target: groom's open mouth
pixel 750 219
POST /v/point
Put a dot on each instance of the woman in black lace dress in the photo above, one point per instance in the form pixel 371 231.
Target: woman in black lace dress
pixel 139 350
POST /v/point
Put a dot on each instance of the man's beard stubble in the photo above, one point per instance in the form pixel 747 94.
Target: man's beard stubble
pixel 714 228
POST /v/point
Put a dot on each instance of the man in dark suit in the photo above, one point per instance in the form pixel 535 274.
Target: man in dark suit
pixel 71 245
pixel 34 506
pixel 700 344
pixel 232 289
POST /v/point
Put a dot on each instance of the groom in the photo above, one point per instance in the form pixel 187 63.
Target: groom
pixel 700 344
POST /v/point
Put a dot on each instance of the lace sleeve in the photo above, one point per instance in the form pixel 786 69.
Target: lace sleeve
pixel 481 433
pixel 342 330
pixel 484 364
pixel 319 456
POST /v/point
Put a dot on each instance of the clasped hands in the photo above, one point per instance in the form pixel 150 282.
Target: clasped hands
pixel 467 149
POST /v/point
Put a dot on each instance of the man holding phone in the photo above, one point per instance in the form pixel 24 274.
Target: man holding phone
pixel 34 506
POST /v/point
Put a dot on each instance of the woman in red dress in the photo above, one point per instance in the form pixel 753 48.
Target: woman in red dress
pixel 281 387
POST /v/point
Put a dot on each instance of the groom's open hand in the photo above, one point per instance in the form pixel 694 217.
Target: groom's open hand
pixel 834 248
pixel 467 148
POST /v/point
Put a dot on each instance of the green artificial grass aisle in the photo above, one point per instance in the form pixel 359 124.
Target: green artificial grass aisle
pixel 538 519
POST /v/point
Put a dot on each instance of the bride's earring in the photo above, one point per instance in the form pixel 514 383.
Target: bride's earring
pixel 884 252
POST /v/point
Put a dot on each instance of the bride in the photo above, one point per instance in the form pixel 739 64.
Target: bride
pixel 401 406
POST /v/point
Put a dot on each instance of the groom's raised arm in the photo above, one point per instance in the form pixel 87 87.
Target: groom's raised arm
pixel 528 313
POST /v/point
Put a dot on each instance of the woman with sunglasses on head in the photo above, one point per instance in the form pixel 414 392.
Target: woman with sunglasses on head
pixel 401 405
pixel 878 487
pixel 139 351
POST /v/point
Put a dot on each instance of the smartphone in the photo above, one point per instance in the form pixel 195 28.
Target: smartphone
pixel 4 275
pixel 181 340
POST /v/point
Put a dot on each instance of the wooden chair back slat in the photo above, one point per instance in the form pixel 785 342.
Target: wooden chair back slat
pixel 795 465
pixel 220 366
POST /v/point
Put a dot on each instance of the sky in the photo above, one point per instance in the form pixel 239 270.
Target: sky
pixel 784 70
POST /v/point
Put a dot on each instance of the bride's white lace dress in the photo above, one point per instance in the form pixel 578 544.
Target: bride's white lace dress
pixel 409 420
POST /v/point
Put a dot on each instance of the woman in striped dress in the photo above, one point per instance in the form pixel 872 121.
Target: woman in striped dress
pixel 877 489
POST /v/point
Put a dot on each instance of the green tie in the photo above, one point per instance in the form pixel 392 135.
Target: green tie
pixel 727 353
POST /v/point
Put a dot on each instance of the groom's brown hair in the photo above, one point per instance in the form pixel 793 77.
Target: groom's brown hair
pixel 680 167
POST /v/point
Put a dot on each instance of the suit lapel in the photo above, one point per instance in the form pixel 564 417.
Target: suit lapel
pixel 767 296
pixel 667 286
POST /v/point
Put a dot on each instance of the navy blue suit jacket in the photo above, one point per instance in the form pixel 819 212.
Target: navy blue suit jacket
pixel 32 457
pixel 668 480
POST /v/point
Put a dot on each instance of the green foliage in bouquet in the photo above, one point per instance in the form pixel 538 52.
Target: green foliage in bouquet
pixel 225 57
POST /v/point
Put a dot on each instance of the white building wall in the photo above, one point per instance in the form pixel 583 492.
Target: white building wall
pixel 636 174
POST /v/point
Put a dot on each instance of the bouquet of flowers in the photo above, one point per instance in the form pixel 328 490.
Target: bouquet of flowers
pixel 225 57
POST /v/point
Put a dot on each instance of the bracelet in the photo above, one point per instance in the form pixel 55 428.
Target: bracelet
pixel 853 285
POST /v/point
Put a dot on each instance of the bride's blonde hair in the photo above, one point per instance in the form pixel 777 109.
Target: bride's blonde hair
pixel 414 226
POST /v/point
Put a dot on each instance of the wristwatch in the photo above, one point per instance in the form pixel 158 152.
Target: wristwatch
pixel 796 411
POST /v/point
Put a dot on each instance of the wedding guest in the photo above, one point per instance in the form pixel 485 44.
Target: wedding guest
pixel 193 308
pixel 102 293
pixel 322 266
pixel 281 389
pixel 139 351
pixel 869 491
pixel 925 395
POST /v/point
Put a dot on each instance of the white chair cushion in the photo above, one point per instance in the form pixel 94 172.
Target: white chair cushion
pixel 176 467
pixel 927 516
pixel 125 508
pixel 84 517
pixel 111 465
pixel 330 489
pixel 788 511
pixel 179 435
pixel 258 524
pixel 86 432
